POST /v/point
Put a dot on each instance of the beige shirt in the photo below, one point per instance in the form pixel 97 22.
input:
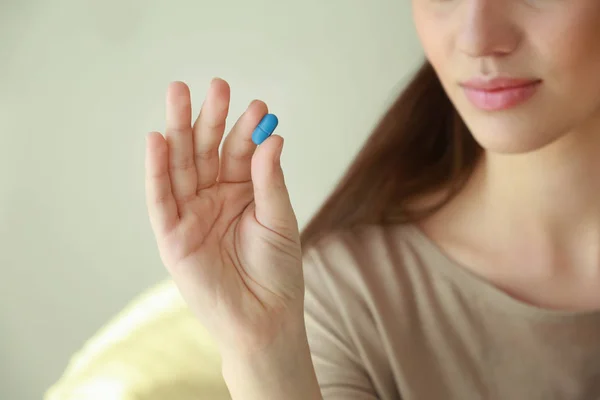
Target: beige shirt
pixel 389 316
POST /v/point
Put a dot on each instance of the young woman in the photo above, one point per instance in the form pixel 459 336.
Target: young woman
pixel 458 258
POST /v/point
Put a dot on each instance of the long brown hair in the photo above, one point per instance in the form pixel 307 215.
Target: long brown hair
pixel 419 147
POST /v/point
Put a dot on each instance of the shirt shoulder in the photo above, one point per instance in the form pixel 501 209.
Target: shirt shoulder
pixel 360 289
pixel 368 261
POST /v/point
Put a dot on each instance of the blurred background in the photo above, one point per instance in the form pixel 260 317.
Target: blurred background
pixel 81 84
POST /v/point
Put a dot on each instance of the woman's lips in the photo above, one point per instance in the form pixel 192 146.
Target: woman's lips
pixel 499 94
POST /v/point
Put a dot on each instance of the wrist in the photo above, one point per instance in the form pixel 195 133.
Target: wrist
pixel 262 335
pixel 268 350
pixel 281 367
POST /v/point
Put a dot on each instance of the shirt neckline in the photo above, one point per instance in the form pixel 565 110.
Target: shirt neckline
pixel 460 274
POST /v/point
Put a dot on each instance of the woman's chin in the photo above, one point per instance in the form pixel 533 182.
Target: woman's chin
pixel 512 138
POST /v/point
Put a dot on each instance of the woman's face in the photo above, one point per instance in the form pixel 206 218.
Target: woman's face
pixel 554 44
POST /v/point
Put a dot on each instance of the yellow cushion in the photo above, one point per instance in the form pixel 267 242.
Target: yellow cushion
pixel 153 350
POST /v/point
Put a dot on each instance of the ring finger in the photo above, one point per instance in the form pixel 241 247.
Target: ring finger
pixel 238 147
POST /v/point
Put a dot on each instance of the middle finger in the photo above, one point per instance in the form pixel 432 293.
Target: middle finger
pixel 208 132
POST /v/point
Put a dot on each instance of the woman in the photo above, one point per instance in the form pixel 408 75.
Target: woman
pixel 459 257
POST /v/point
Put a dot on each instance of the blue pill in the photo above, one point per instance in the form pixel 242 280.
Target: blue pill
pixel 265 128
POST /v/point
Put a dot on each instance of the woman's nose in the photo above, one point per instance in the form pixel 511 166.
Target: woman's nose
pixel 487 28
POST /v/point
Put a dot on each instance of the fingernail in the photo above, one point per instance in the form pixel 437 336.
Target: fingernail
pixel 278 156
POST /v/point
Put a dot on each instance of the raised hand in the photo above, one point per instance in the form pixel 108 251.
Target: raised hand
pixel 223 223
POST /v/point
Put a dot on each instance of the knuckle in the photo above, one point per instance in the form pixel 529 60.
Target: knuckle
pixel 205 155
pixel 214 124
pixel 239 155
pixel 183 164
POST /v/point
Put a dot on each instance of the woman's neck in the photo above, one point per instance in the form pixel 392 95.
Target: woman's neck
pixel 556 189
pixel 530 223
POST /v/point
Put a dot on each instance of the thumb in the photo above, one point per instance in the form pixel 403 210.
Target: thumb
pixel 273 207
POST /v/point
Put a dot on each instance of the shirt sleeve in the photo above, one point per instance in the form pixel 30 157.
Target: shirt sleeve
pixel 337 364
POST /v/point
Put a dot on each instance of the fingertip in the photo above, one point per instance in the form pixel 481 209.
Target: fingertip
pixel 178 93
pixel 177 86
pixel 257 109
pixel 218 80
pixel 220 86
pixel 277 141
pixel 152 138
pixel 271 149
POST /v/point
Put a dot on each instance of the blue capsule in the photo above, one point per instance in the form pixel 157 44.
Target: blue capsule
pixel 265 128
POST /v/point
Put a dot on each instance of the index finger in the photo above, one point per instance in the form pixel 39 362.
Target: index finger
pixel 162 208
